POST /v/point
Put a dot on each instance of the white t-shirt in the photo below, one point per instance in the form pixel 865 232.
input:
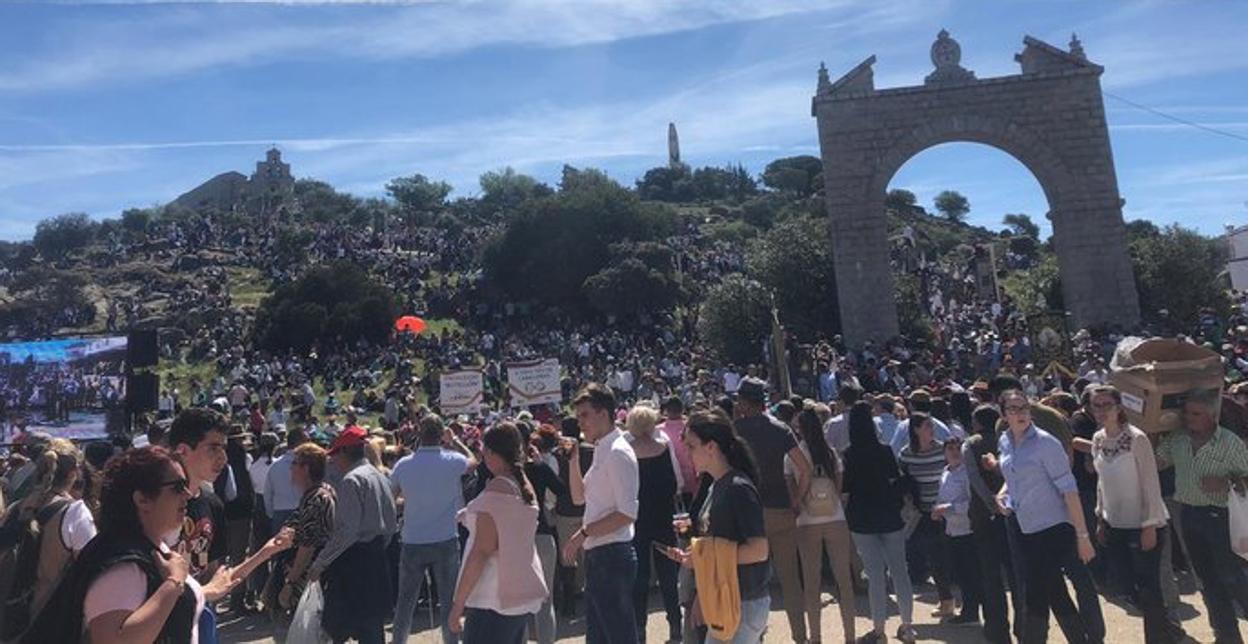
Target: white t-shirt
pixel 259 472
pixel 77 526
pixel 124 587
pixel 791 472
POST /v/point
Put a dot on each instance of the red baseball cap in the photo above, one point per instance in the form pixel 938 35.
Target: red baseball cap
pixel 350 437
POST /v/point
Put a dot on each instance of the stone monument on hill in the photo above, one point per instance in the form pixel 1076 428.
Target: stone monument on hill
pixel 1051 117
pixel 673 147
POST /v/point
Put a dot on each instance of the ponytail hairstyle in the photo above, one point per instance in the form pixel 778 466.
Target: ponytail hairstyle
pixel 811 430
pixel 53 467
pixel 916 421
pixel 504 440
pixel 714 426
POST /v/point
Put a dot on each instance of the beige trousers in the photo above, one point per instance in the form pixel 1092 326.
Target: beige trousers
pixel 832 538
pixel 781 528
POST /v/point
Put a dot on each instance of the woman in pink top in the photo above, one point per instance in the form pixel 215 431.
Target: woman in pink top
pixel 674 429
pixel 500 583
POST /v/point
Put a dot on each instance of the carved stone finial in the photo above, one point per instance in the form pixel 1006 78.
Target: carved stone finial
pixel 1076 47
pixel 947 58
pixel 825 85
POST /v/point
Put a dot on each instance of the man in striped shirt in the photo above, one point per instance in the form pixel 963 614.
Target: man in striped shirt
pixel 1206 459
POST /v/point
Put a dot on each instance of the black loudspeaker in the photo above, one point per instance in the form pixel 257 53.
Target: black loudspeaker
pixel 142 391
pixel 141 349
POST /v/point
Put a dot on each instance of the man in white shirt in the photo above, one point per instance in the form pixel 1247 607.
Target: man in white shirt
pixel 280 496
pixel 609 492
pixel 731 380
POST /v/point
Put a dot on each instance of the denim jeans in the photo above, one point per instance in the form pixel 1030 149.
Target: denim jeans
pixel 443 557
pixel 1047 551
pixel 483 626
pixel 1207 533
pixel 610 571
pixel 880 553
pixel 1143 580
pixel 753 623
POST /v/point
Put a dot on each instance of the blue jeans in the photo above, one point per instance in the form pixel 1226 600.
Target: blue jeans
pixel 443 557
pixel 885 553
pixel 753 622
pixel 610 571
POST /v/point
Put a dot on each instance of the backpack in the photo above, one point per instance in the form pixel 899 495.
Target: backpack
pixel 822 499
pixel 19 566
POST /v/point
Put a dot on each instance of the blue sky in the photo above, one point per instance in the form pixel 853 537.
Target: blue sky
pixel 109 105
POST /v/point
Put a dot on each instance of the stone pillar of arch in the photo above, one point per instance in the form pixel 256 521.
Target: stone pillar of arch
pixel 1051 117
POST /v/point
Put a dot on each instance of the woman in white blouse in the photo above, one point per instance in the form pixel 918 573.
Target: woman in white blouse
pixel 1131 517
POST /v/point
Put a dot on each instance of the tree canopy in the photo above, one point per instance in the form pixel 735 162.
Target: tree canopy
pixel 329 305
pixel 794 261
pixel 64 234
pixel 553 244
pixel 1178 269
pixel 952 205
pixel 418 192
pixel 735 319
pixel 799 175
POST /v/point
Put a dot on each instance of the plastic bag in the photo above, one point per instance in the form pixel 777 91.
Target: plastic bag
pixel 1237 509
pixel 305 628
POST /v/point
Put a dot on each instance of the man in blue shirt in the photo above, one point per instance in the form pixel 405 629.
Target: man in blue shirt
pixel 429 482
pixel 827 383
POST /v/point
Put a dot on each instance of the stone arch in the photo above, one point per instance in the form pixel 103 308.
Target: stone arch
pixel 1050 118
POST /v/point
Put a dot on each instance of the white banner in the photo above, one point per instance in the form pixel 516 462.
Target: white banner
pixel 534 383
pixel 460 392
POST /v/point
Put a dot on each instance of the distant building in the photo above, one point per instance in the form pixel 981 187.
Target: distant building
pixel 268 187
pixel 1237 265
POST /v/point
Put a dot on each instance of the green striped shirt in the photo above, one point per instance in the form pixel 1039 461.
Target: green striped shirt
pixel 1224 455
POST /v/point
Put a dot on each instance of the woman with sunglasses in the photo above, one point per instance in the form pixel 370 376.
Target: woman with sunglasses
pixel 1131 516
pixel 127 586
pixel 1040 491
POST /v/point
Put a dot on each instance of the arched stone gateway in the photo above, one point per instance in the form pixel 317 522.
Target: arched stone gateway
pixel 1051 117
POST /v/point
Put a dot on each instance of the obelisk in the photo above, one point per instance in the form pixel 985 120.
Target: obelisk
pixel 673 146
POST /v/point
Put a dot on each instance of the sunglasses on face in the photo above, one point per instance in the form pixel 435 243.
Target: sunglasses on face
pixel 180 486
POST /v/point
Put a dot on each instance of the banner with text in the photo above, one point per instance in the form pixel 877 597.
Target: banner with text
pixel 460 392
pixel 534 383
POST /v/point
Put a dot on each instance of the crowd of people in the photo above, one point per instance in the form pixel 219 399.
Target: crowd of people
pixel 958 459
pixel 500 523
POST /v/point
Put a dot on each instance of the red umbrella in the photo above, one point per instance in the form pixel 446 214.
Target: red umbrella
pixel 410 324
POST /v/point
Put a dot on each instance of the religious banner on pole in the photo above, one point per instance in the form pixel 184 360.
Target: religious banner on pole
pixel 461 392
pixel 535 382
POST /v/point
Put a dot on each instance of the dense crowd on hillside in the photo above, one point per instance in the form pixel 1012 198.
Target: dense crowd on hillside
pixel 950 457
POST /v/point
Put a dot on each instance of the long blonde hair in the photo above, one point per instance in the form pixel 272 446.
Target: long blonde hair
pixel 53 468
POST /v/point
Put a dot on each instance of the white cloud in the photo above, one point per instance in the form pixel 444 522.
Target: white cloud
pixel 169 41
